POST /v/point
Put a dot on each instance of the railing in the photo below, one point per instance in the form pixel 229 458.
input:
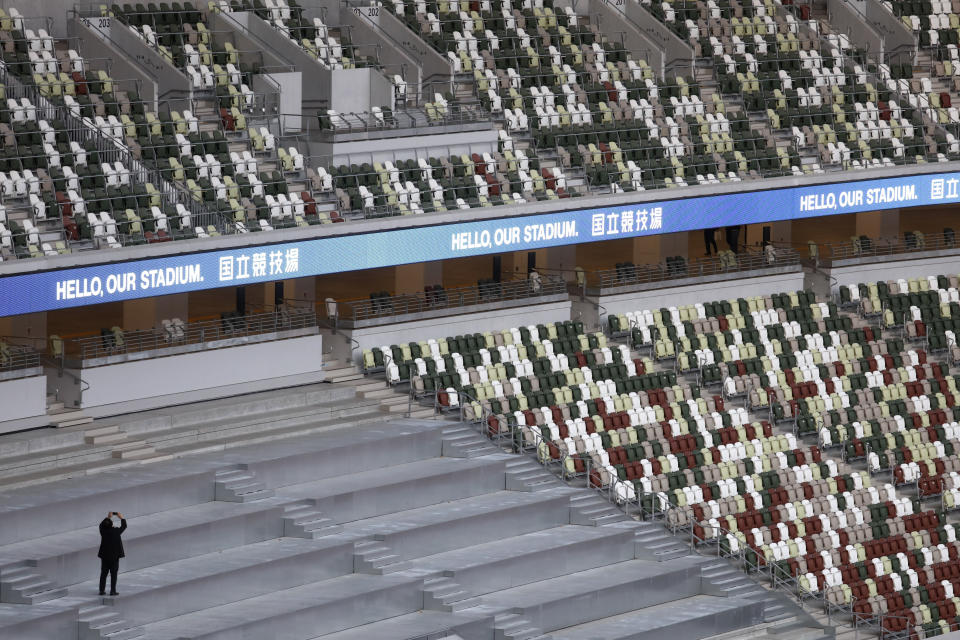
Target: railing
pixel 193 333
pixel 449 298
pixel 657 506
pixel 643 274
pixel 457 113
pixel 84 130
pixel 884 247
pixel 778 577
pixel 15 357
pixel 516 437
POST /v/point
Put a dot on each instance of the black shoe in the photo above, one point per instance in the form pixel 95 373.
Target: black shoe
pixel 103 593
pixel 114 593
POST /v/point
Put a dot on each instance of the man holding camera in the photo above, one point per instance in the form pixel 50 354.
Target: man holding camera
pixel 111 549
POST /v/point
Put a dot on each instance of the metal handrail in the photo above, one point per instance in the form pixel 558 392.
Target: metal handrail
pixel 662 506
pixel 448 298
pixel 192 333
pixel 14 357
pixel 778 577
pixel 643 274
pixel 880 247
pixel 458 112
pixel 517 439
pixel 82 129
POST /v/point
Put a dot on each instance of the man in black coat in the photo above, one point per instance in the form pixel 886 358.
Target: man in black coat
pixel 111 550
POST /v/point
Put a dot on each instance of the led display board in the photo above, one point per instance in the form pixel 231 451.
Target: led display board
pixel 59 289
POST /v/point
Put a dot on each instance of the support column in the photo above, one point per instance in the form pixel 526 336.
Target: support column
pixel 514 266
pixel 561 261
pixel 781 233
pixel 879 224
pixel 264 295
pixel 147 313
pixel 300 289
pixel 31 325
pixel 409 278
pixel 674 244
pixel 646 250
pixel 259 296
pixel 412 278
pixel 433 273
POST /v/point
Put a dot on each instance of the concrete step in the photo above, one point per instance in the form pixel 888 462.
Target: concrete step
pixel 422 413
pixel 104 433
pixel 303 520
pixel 69 418
pixel 794 628
pixel 369 392
pixel 690 618
pixel 193 584
pixel 370 383
pixel 337 371
pixel 90 465
pixel 112 438
pixel 525 475
pixel 301 612
pixel 468 445
pixel 137 451
pixel 70 557
pixel 527 481
pixel 101 622
pixel 611 591
pixel 535 556
pixel 344 376
pixel 591 510
pixel 51 459
pixel 256 408
pixel 26 585
pixel 376 558
pixel 255 423
pixel 658 544
pixel 230 438
pixel 511 626
pixel 239 485
pixel 395 403
pixel 422 624
pixel 443 594
pixel 381 491
pixel 430 530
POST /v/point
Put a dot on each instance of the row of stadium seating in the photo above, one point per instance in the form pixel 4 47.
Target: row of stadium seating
pixel 672 443
pixel 922 452
pixel 934 25
pixel 56 190
pixel 864 113
pixel 604 112
pixel 359 196
pixel 571 87
pixel 928 395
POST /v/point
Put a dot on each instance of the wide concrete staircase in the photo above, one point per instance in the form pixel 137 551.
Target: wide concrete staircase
pixel 401 529
pixel 129 441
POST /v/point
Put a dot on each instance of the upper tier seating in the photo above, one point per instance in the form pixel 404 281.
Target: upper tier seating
pixel 814 86
pixel 57 192
pixel 934 77
pixel 589 98
pixel 580 114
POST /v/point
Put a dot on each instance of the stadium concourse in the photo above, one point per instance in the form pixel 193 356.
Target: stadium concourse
pixel 480 319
